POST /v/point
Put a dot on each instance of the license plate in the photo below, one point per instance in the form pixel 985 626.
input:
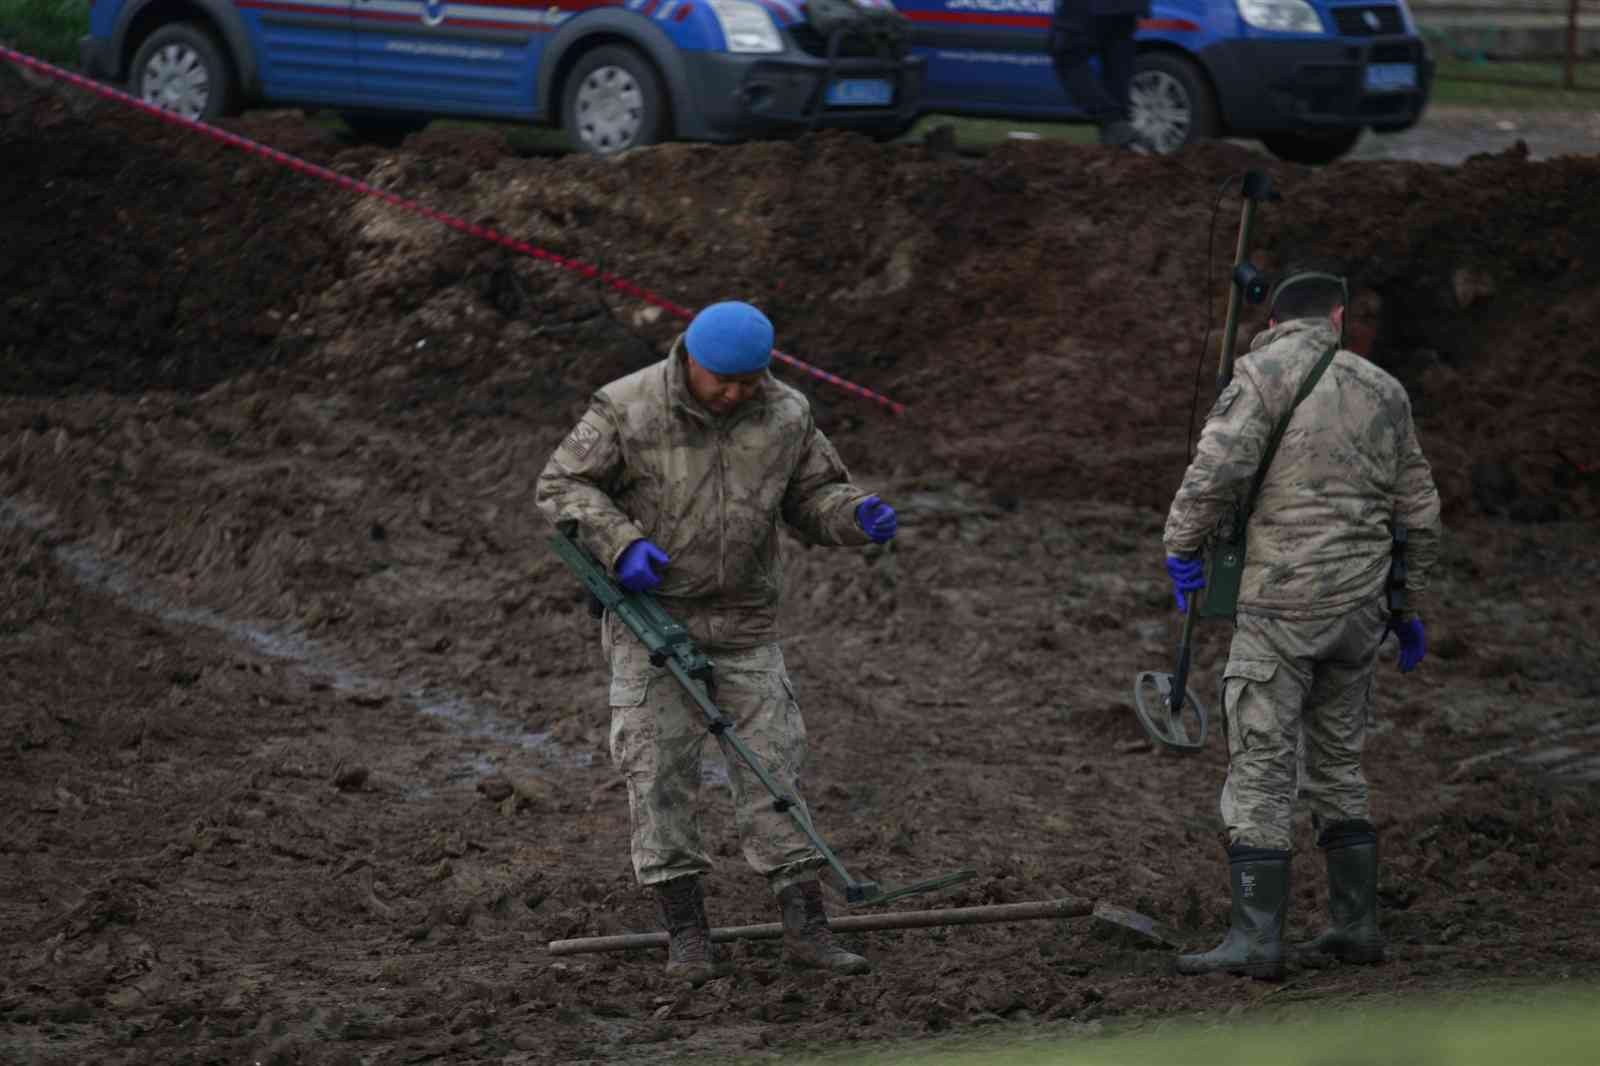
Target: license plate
pixel 860 92
pixel 1391 77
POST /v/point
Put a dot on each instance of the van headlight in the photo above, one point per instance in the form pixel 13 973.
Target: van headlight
pixel 1280 16
pixel 746 27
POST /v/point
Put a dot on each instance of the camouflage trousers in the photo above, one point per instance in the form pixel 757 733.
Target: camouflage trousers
pixel 657 735
pixel 1297 695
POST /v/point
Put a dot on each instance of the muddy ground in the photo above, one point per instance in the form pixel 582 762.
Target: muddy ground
pixel 303 727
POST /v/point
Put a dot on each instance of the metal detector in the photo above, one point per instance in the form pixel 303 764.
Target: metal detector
pixel 668 644
pixel 1163 702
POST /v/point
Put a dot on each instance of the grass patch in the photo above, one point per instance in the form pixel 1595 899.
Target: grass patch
pixel 1514 85
pixel 48 29
pixel 1548 1027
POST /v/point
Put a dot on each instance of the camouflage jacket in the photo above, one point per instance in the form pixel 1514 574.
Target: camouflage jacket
pixel 1347 467
pixel 646 460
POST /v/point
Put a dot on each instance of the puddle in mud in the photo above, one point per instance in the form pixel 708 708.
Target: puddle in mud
pixel 307 655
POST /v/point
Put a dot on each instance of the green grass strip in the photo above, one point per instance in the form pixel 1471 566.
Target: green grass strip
pixel 1547 1028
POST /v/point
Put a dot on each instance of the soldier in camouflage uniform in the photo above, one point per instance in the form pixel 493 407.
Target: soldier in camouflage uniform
pixel 678 477
pixel 1312 610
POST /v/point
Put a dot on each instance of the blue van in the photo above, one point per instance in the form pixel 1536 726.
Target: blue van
pixel 614 74
pixel 1305 77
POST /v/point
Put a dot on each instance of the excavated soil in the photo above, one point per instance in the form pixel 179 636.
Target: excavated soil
pixel 304 728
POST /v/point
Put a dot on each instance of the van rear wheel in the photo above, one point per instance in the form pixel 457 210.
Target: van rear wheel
pixel 612 101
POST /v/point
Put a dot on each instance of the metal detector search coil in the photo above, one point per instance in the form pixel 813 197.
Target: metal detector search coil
pixel 1163 723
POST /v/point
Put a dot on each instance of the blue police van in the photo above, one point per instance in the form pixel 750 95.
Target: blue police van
pixel 1303 76
pixel 613 74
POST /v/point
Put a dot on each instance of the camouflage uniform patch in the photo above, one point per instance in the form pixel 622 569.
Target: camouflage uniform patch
pixel 1347 468
pixel 581 441
pixel 657 738
pixel 1297 686
pixel 1225 400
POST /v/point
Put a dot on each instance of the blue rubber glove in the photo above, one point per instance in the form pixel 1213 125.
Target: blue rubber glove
pixel 877 519
pixel 1413 643
pixel 634 568
pixel 1188 575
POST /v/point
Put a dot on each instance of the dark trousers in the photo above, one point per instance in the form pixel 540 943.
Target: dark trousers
pixel 1074 39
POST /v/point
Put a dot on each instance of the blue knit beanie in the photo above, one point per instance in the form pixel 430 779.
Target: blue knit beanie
pixel 730 338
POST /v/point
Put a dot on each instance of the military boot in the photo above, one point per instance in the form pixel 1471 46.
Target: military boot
pixel 1254 944
pixel 691 956
pixel 1351 850
pixel 807 940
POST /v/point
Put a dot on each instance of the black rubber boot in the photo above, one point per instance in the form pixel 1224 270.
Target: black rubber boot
pixel 691 956
pixel 1254 944
pixel 1351 849
pixel 807 940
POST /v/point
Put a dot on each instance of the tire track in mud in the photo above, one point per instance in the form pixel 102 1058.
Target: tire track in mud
pixel 312 659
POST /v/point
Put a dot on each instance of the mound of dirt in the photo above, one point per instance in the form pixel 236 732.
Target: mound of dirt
pixel 1042 277
pixel 308 748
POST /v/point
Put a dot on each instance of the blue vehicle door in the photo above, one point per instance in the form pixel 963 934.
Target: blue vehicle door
pixel 986 55
pixel 444 56
pixel 305 48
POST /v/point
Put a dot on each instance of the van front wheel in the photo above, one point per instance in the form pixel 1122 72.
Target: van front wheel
pixel 612 101
pixel 1170 102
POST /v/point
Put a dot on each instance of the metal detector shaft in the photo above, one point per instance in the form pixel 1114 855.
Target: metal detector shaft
pixel 669 645
pixel 1230 340
pixel 722 729
pixel 1244 281
pixel 1230 325
pixel 1180 676
pixel 1256 188
pixel 1068 907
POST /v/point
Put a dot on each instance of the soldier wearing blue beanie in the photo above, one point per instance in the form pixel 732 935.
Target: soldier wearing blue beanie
pixel 730 338
pixel 682 478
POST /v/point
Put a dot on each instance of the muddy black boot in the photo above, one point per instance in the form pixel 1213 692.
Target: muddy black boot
pixel 807 940
pixel 1254 944
pixel 691 956
pixel 1351 849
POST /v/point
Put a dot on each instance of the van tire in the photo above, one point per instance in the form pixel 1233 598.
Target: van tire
pixel 1172 104
pixel 182 68
pixel 1311 149
pixel 611 101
